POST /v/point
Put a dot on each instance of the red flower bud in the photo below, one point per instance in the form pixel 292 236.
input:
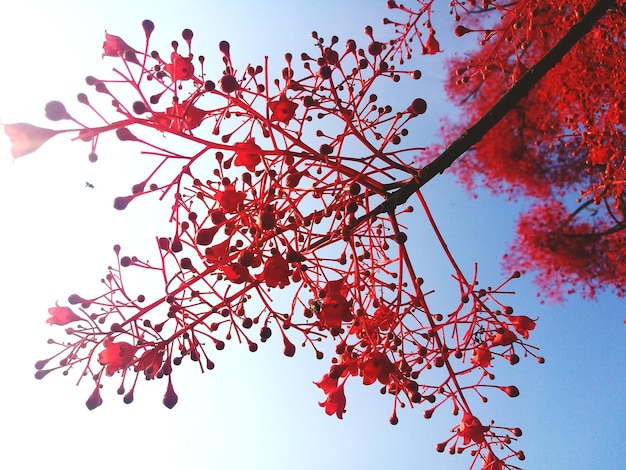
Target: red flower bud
pixel 510 390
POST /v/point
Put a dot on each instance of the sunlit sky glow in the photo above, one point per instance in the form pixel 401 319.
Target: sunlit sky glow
pixel 256 411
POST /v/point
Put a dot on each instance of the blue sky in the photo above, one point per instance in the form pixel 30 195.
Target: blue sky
pixel 254 410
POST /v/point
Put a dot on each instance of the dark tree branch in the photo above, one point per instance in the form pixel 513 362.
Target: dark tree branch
pixel 518 91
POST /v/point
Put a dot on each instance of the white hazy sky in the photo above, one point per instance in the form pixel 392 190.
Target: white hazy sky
pixel 256 411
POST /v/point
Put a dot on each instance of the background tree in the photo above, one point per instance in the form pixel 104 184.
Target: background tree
pixel 334 304
pixel 562 145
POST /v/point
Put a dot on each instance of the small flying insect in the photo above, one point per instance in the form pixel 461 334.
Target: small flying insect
pixel 315 306
pixel 89 185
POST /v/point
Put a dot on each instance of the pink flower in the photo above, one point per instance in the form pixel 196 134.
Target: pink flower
pixel 61 316
pixel 114 46
pixel 116 356
pixel 26 138
pixel 150 362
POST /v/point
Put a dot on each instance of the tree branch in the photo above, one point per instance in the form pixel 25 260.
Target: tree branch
pixel 475 133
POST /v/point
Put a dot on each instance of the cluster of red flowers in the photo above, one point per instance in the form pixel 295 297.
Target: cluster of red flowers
pixel 284 210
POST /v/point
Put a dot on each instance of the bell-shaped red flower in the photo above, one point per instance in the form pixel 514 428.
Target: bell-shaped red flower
pixel 376 366
pixel 116 356
pixel 432 45
pixel 61 316
pixel 492 462
pixel 150 362
pixel 230 198
pixel 504 338
pixel 218 254
pixel 236 273
pixel 248 154
pixel 471 429
pixel 114 46
pixel 481 356
pixel 185 116
pixel 276 271
pixel 181 68
pixel 26 138
pixel 282 109
pixel 522 324
pixel 327 383
pixel 336 308
pixel 335 403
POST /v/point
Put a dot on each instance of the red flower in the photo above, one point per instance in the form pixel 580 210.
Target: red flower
pixel 150 362
pixel 276 271
pixel 26 138
pixel 282 110
pixel 383 317
pixel 336 309
pixel 327 383
pixel 376 366
pixel 61 316
pixel 185 116
pixel 248 154
pixel 335 402
pixel 181 67
pixel 481 356
pixel 505 338
pixel 471 429
pixel 492 462
pixel 114 46
pixel 432 45
pixel 116 356
pixel 522 324
pixel 600 155
pixel 230 198
pixel 236 273
pixel 218 254
pixel 372 327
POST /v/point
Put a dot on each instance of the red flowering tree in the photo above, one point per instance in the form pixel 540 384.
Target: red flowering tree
pixel 562 145
pixel 286 201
